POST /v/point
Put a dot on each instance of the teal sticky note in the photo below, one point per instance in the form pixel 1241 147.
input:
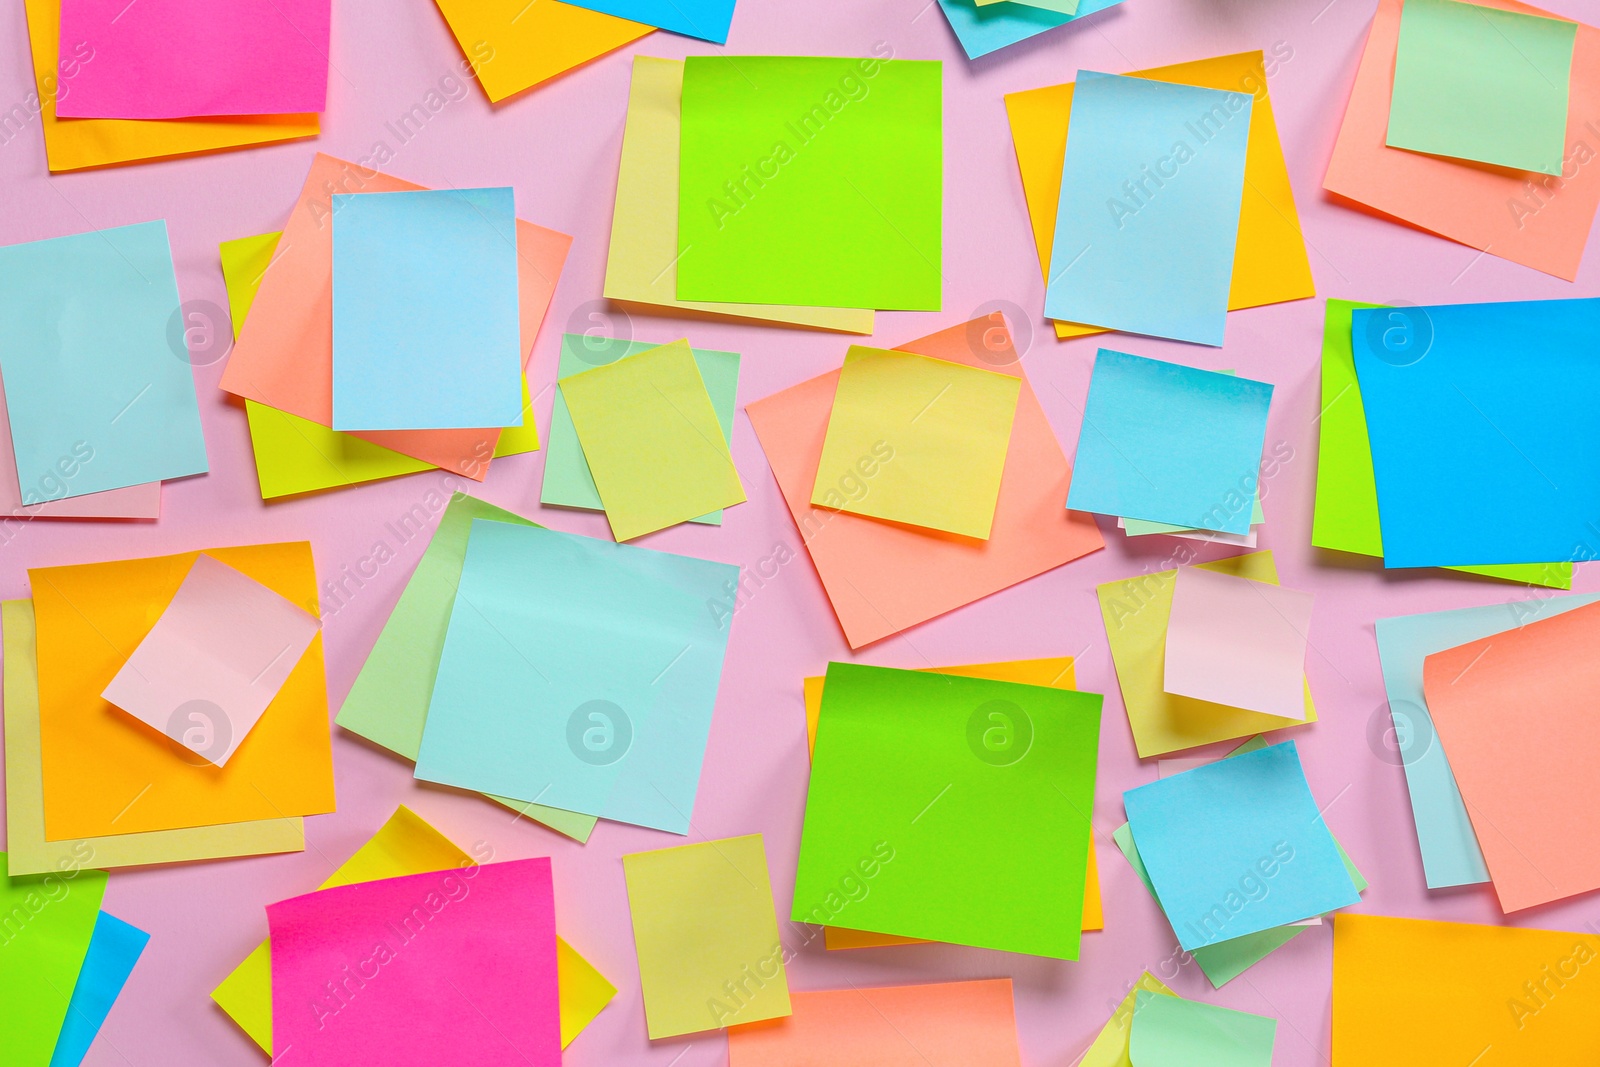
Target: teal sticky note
pixel 426 334
pixel 981 30
pixel 114 948
pixel 1169 443
pixel 1149 211
pixel 1238 846
pixel 93 356
pixel 1171 1032
pixel 579 674
pixel 567 481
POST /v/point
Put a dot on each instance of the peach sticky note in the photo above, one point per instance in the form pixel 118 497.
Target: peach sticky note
pixel 1237 642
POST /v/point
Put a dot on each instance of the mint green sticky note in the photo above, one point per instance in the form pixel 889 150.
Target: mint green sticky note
pixel 1170 1032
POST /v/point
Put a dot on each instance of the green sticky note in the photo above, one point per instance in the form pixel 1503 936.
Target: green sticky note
pixel 1170 1032
pixel 44 936
pixel 567 480
pixel 811 181
pixel 388 704
pixel 1346 515
pixel 951 809
pixel 1482 84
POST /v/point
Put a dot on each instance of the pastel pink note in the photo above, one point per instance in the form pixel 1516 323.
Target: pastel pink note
pixel 174 59
pixel 214 660
pixel 449 967
pixel 1237 642
pixel 131 502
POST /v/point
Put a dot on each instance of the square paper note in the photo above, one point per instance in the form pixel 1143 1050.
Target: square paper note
pixel 1171 1032
pixel 1237 642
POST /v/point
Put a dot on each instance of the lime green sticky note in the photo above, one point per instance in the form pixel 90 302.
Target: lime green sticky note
pixel 951 809
pixel 1172 1032
pixel 1482 84
pixel 44 937
pixel 1346 515
pixel 388 704
pixel 811 181
pixel 652 440
pixel 926 440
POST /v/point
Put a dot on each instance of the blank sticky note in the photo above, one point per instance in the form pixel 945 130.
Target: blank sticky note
pixel 512 45
pixel 114 949
pixel 1110 1046
pixel 1237 642
pixel 706 932
pixel 1148 218
pixel 981 30
pixel 130 502
pixel 1172 1032
pixel 43 955
pixel 705 19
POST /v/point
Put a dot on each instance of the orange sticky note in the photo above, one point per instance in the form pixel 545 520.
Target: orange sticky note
pixel 1540 221
pixel 512 45
pixel 284 355
pixel 883 578
pixel 105 773
pixel 1516 714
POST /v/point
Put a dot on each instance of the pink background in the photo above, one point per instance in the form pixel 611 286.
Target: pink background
pixel 558 147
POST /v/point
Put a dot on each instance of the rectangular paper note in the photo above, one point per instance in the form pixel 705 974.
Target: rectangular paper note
pixel 41 957
pixel 1237 642
pixel 512 45
pixel 114 949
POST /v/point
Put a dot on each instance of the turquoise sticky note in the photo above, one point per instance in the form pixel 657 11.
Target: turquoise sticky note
pixel 426 333
pixel 1237 846
pixel 706 19
pixel 1149 211
pixel 1171 1032
pixel 114 948
pixel 95 364
pixel 981 30
pixel 579 674
pixel 1169 443
pixel 567 481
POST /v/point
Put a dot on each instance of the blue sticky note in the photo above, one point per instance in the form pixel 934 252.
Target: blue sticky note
pixel 982 30
pixel 114 947
pixel 94 359
pixel 706 19
pixel 426 333
pixel 1485 433
pixel 1169 443
pixel 579 674
pixel 1149 211
pixel 1237 846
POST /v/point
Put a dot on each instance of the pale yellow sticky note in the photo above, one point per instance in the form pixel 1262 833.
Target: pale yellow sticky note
pixel 641 266
pixel 513 45
pixel 1110 1047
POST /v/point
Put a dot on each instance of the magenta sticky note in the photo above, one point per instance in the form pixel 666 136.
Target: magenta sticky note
pixel 1236 642
pixel 454 966
pixel 172 59
pixel 214 660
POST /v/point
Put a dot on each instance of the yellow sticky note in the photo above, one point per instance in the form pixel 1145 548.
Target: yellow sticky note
pixel 406 844
pixel 652 440
pixel 1110 1046
pixel 706 932
pixel 1269 265
pixel 642 264
pixel 926 440
pixel 514 45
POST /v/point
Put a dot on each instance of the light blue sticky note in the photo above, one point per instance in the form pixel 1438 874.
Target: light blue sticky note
pixel 1149 211
pixel 706 19
pixel 982 30
pixel 580 674
pixel 95 365
pixel 1484 428
pixel 1169 443
pixel 114 947
pixel 1172 1032
pixel 426 333
pixel 1238 846
pixel 1450 852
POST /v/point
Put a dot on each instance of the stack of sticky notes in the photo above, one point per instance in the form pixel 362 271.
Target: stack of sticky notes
pixel 386 330
pixel 792 189
pixel 121 82
pixel 1467 118
pixel 922 478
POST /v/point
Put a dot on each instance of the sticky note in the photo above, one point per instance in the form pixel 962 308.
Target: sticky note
pixel 1170 443
pixel 1482 84
pixel 938 1023
pixel 98 396
pixel 114 949
pixel 1148 219
pixel 706 19
pixel 929 435
pixel 434 967
pixel 881 578
pixel 512 45
pixel 425 310
pixel 566 654
pixel 1487 208
pixel 1110 1046
pixel 1237 847
pixel 1237 642
pixel 1477 409
pixel 1434 994
pixel 131 502
pixel 920 783
pixel 1172 1032
pixel 102 775
pixel 706 933
pixel 986 29
pixel 855 220
pixel 175 59
pixel 652 440
pixel 45 940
